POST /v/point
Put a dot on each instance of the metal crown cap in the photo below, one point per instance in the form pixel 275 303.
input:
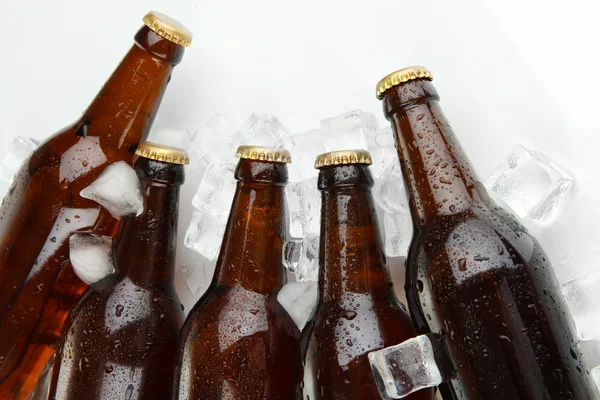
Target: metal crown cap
pixel 343 157
pixel 401 76
pixel 160 152
pixel 168 28
pixel 261 153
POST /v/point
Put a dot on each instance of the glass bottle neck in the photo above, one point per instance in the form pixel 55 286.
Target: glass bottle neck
pixel 251 254
pixel 439 179
pixel 351 256
pixel 145 246
pixel 124 109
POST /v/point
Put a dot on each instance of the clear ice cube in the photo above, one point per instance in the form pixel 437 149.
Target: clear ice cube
pixel 389 190
pixel 529 183
pixel 304 148
pixel 299 300
pixel 19 151
pixel 383 151
pixel 216 190
pixel 583 299
pixel 304 207
pixel 405 368
pixel 348 131
pixel 398 234
pixel 261 130
pixel 205 234
pixel 91 256
pixel 118 190
pixel 215 141
pixel 174 137
pixel 301 256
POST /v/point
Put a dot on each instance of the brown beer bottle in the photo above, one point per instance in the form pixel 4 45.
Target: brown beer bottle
pixel 37 284
pixel 357 311
pixel 238 342
pixel 474 274
pixel 120 341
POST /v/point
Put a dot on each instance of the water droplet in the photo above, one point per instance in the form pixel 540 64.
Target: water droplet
pixel 108 368
pixel 420 286
pixel 420 117
pixel 348 314
pixel 53 239
pixel 480 258
pixel 349 342
pixel 129 392
pixel 119 310
pixel 462 264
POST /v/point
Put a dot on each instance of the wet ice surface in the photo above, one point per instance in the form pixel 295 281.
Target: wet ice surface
pixel 405 368
pixel 301 256
pixel 529 183
pixel 299 299
pixel 91 256
pixel 117 189
pixel 20 149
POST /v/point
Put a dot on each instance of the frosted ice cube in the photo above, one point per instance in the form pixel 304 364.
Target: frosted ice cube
pixel 205 235
pixel 299 299
pixel 389 190
pixel 304 148
pixel 216 190
pixel 195 276
pixel 91 256
pixel 348 131
pixel 583 299
pixel 304 207
pixel 214 142
pixel 301 256
pixel 530 184
pixel 118 190
pixel 405 368
pixel 174 137
pixel 261 130
pixel 398 234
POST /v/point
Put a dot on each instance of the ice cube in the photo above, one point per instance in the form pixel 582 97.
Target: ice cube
pixel 195 276
pixel 304 207
pixel 529 183
pixel 596 377
pixel 405 368
pixel 261 130
pixel 91 256
pixel 383 151
pixel 174 137
pixel 214 141
pixel 19 151
pixel 301 256
pixel 348 131
pixel 118 190
pixel 304 148
pixel 389 190
pixel 583 299
pixel 299 299
pixel 205 235
pixel 398 234
pixel 216 190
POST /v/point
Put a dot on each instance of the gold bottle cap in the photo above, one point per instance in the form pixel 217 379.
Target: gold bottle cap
pixel 401 76
pixel 261 153
pixel 168 28
pixel 343 157
pixel 160 152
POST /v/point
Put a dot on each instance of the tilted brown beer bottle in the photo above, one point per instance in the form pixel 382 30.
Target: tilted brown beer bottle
pixel 121 338
pixel 238 342
pixel 357 311
pixel 474 274
pixel 37 284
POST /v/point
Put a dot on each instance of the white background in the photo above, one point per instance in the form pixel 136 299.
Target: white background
pixel 507 71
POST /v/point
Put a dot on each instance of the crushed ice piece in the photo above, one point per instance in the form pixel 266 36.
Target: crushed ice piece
pixel 304 207
pixel 304 148
pixel 215 141
pixel 405 368
pixel 398 234
pixel 205 235
pixel 91 256
pixel 299 300
pixel 389 192
pixel 216 190
pixel 301 256
pixel 583 299
pixel 261 130
pixel 529 183
pixel 118 190
pixel 348 131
